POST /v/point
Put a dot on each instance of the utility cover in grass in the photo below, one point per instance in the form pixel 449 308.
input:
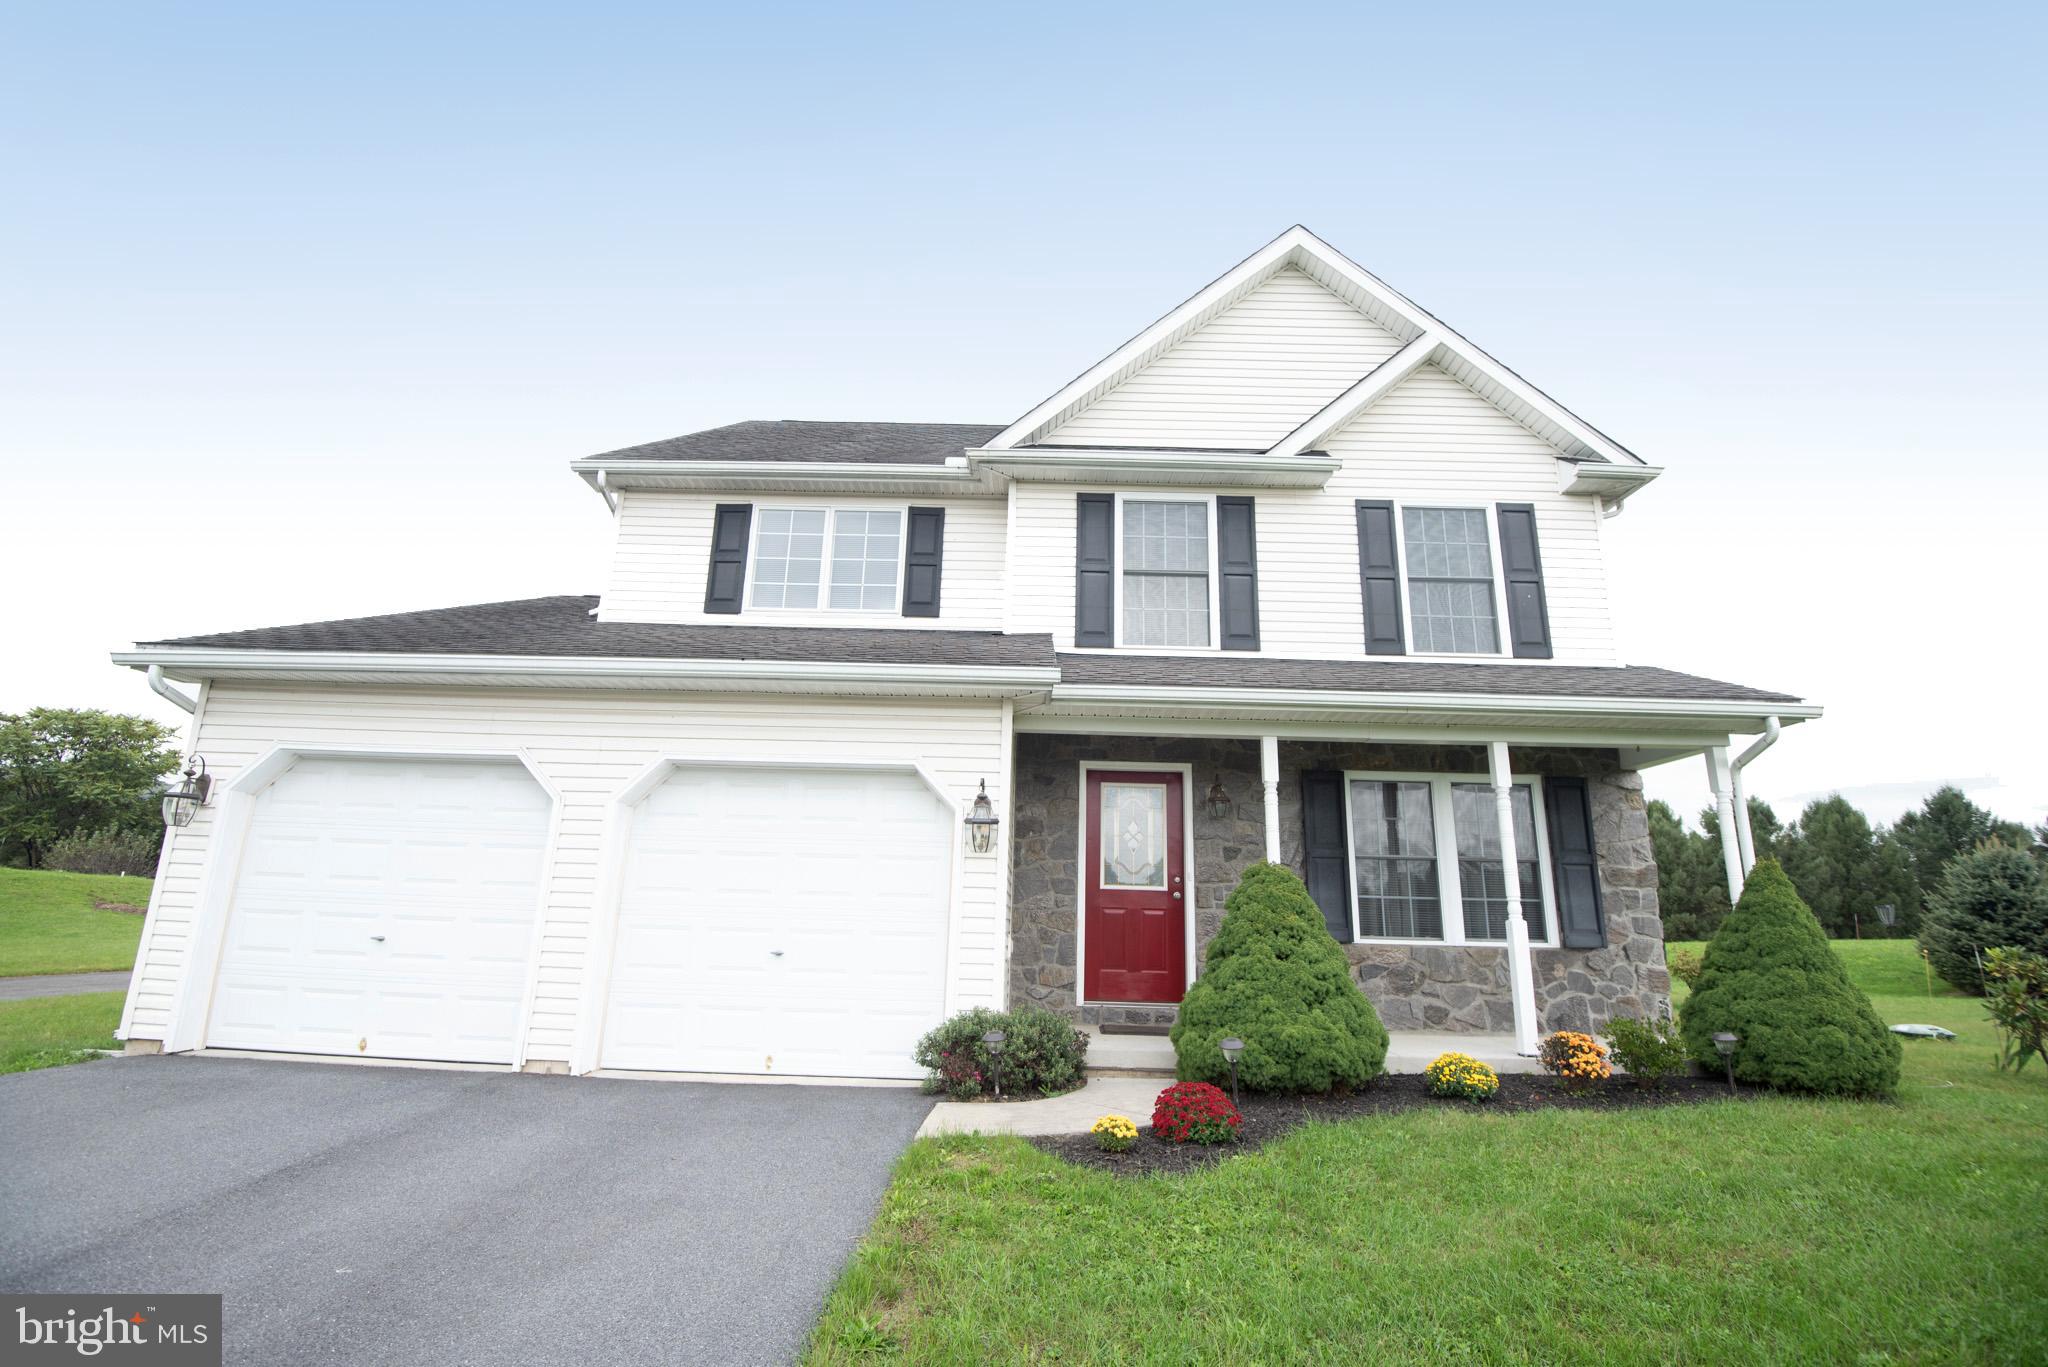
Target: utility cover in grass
pixel 1771 978
pixel 1274 978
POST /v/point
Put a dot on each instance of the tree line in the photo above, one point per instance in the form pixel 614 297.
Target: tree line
pixel 80 789
pixel 1844 866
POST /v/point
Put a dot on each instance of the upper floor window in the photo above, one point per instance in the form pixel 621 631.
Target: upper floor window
pixel 792 569
pixel 1449 562
pixel 1167 577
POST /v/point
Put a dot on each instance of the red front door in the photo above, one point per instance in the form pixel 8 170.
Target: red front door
pixel 1136 912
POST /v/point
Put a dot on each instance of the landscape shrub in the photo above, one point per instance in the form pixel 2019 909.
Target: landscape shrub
pixel 1648 1051
pixel 1772 979
pixel 1995 897
pixel 1195 1113
pixel 1042 1053
pixel 1686 966
pixel 1274 978
pixel 132 851
pixel 2017 999
pixel 1461 1076
pixel 1578 1060
pixel 1114 1133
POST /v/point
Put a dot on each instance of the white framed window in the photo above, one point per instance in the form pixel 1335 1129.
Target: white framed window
pixel 806 558
pixel 1425 859
pixel 1166 572
pixel 1452 580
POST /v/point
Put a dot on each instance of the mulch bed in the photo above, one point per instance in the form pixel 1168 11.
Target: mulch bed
pixel 1267 1118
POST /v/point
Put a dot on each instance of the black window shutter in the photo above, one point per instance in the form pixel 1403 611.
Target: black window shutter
pixel 1325 857
pixel 1528 615
pixel 1573 864
pixel 1237 558
pixel 1095 570
pixel 921 562
pixel 727 585
pixel 1379 576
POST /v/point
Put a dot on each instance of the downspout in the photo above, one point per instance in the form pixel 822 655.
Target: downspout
pixel 164 690
pixel 1742 830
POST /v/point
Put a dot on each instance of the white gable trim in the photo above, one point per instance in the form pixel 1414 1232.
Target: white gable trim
pixel 1339 411
pixel 1302 249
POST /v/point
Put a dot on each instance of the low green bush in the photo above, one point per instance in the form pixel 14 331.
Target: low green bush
pixel 1042 1053
pixel 133 852
pixel 1686 966
pixel 1648 1051
pixel 1771 978
pixel 2017 997
pixel 1274 978
pixel 1995 897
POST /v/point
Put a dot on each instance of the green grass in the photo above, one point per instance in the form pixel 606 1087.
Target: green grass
pixel 1883 968
pixel 44 1032
pixel 1771 1230
pixel 48 923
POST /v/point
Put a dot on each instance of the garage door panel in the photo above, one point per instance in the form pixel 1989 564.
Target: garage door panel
pixel 835 870
pixel 388 905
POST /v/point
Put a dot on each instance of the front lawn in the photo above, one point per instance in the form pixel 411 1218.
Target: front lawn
pixel 1771 1230
pixel 48 923
pixel 43 1032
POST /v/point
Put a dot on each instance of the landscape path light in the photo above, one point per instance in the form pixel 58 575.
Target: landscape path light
pixel 1231 1048
pixel 994 1040
pixel 1724 1045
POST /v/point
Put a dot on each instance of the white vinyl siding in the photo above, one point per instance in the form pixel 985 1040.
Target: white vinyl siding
pixel 1245 379
pixel 662 555
pixel 590 745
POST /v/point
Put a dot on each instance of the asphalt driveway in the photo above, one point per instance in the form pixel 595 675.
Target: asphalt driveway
pixel 397 1216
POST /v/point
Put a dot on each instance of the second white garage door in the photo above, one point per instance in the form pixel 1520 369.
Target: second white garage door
pixel 781 921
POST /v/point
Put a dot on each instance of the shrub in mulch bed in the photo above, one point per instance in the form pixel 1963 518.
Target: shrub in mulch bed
pixel 1270 1117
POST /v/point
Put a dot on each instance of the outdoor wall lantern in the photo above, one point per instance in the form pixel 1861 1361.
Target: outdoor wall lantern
pixel 1724 1045
pixel 994 1040
pixel 1231 1048
pixel 982 822
pixel 183 801
pixel 1218 800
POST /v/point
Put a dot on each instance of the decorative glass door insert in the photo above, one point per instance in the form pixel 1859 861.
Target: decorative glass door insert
pixel 1133 835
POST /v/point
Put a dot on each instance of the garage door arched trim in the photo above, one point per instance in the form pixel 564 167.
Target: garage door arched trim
pixel 235 808
pixel 618 840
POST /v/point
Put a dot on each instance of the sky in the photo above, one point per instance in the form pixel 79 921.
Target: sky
pixel 303 310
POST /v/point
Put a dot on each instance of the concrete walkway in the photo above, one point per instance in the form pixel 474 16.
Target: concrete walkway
pixel 61 985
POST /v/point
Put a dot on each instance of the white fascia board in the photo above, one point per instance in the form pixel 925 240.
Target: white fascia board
pixel 1338 701
pixel 1080 464
pixel 206 663
pixel 1368 391
pixel 955 476
pixel 1604 478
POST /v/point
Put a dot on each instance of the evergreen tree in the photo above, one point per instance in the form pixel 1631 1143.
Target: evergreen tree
pixel 1274 978
pixel 1995 897
pixel 1844 870
pixel 1771 978
pixel 1692 887
pixel 1946 825
pixel 65 770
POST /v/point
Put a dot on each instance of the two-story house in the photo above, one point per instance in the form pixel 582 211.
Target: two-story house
pixel 874 722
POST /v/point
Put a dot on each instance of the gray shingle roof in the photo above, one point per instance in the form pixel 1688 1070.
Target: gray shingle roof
pixel 867 443
pixel 564 627
pixel 1404 676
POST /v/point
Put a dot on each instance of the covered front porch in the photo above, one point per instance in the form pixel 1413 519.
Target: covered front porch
pixel 1403 835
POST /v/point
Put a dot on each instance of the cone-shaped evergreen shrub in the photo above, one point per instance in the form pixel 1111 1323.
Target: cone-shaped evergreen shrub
pixel 1274 978
pixel 1771 977
pixel 1995 897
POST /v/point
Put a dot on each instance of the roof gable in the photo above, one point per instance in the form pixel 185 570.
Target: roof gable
pixel 1419 338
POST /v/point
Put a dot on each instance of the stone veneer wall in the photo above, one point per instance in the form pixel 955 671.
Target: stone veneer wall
pixel 1415 987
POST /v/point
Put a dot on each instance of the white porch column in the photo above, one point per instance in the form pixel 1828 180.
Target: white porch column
pixel 1521 965
pixel 1269 781
pixel 1723 784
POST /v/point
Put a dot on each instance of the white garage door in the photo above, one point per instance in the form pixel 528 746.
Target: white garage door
pixel 781 921
pixel 385 908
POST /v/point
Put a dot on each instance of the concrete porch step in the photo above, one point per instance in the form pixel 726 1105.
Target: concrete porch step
pixel 1408 1051
pixel 1129 1055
